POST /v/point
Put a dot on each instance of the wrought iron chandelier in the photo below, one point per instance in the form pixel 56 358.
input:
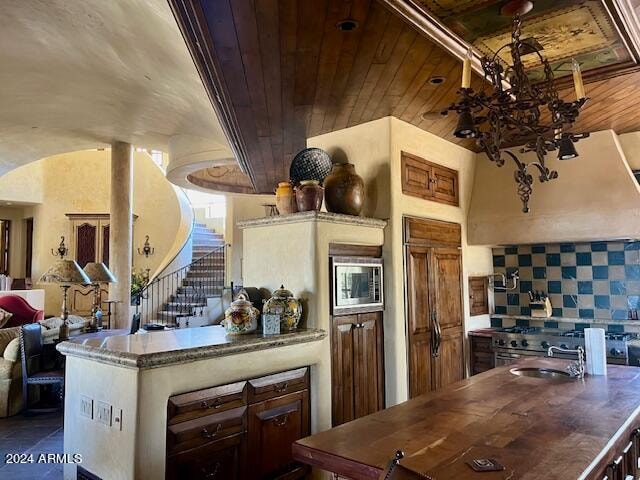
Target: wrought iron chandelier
pixel 519 112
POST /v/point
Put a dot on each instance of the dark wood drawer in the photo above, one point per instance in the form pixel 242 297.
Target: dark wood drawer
pixel 188 406
pixel 279 384
pixel 481 344
pixel 202 430
pixel 220 460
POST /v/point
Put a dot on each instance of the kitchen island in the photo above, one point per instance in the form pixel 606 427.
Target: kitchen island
pixel 538 428
pixel 137 404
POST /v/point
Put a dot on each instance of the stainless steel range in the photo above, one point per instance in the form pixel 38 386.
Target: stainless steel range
pixel 512 343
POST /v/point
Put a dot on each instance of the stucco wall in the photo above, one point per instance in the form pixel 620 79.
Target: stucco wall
pixel 23 184
pixel 296 255
pixel 238 208
pixel 375 148
pixel 630 143
pixel 595 197
pixel 79 182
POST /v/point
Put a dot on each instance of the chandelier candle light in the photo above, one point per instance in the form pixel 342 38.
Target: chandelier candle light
pixel 512 112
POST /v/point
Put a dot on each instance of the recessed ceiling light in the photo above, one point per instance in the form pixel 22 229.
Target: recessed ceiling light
pixel 347 25
pixel 437 80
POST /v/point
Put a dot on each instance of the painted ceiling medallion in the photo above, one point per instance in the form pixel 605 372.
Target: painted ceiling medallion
pixel 516 111
pixel 580 29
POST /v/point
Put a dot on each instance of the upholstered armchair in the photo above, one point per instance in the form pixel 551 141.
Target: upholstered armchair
pixel 23 313
pixel 10 372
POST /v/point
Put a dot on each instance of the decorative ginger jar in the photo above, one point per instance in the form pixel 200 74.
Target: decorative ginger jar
pixel 284 304
pixel 241 316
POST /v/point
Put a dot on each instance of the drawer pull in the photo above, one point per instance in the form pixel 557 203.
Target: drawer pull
pixel 217 403
pixel 281 420
pixel 207 434
pixel 213 473
pixel 282 387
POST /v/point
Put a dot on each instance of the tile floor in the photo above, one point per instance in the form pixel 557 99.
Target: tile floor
pixel 35 435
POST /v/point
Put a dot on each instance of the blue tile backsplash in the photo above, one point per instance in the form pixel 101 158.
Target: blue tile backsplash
pixel 597 280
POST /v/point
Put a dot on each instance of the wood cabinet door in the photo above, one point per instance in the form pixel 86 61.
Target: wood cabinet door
pixel 417 177
pixel 478 295
pixel 446 296
pixel 418 320
pixel 368 365
pixel 445 185
pixel 449 366
pixel 220 460
pixel 446 292
pixel 342 369
pixel 86 237
pixel 273 426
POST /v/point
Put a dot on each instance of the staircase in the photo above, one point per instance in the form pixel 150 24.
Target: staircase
pixel 183 296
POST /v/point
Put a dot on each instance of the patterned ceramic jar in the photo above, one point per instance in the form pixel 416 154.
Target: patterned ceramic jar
pixel 284 304
pixel 241 316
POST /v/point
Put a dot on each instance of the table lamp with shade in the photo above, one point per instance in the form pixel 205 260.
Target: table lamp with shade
pixel 65 273
pixel 99 274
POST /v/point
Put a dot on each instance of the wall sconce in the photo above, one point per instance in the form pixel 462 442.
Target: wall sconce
pixel 61 251
pixel 146 249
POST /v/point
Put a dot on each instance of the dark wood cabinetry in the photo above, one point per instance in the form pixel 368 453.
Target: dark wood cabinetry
pixel 434 293
pixel 481 353
pixel 424 179
pixel 212 432
pixel 357 353
pixel 478 296
pixel 357 366
pixel 273 427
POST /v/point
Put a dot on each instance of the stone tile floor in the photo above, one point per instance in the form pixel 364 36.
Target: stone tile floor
pixel 31 435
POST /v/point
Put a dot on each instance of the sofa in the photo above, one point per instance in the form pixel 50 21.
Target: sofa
pixel 21 311
pixel 10 372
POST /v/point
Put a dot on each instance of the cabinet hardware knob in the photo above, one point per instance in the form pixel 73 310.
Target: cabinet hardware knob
pixel 281 420
pixel 207 434
pixel 217 403
pixel 282 387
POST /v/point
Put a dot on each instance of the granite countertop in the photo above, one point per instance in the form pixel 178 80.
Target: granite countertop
pixel 313 216
pixel 159 349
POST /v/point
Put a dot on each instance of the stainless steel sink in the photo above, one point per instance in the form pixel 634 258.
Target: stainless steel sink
pixel 548 373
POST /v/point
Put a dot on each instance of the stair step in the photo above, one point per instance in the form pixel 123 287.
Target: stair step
pixel 163 314
pixel 182 309
pixel 185 304
pixel 208 283
pixel 208 267
pixel 191 290
pixel 183 298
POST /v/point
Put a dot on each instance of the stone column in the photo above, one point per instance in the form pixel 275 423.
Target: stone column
pixel 121 231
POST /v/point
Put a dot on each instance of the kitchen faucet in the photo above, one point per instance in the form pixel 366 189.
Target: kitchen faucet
pixel 576 369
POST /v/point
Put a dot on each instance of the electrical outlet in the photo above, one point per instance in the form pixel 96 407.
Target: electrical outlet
pixel 86 406
pixel 104 413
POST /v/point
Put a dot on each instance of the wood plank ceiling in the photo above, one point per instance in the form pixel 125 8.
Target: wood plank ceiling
pixel 280 71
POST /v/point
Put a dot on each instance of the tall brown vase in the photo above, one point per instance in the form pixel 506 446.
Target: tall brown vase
pixel 344 190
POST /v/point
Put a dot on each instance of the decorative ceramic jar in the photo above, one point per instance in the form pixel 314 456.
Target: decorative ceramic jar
pixel 285 198
pixel 309 196
pixel 344 190
pixel 241 316
pixel 284 304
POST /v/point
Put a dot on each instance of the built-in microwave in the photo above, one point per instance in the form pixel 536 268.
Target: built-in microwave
pixel 357 285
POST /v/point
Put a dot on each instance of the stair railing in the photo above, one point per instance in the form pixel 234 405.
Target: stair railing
pixel 184 292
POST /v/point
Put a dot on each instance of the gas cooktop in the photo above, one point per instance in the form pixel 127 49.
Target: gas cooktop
pixel 536 341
